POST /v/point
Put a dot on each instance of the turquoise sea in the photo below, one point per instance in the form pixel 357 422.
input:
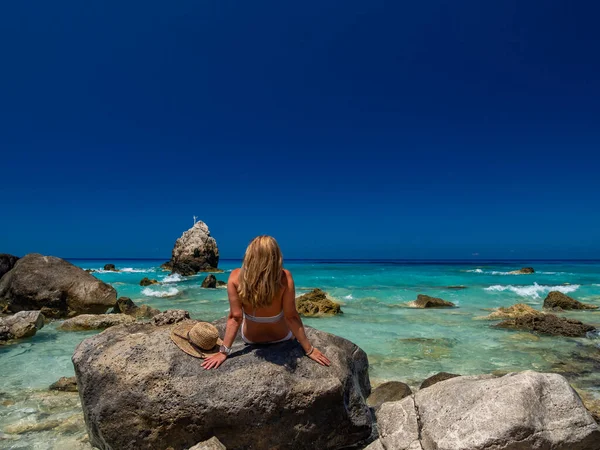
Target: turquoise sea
pixel 403 343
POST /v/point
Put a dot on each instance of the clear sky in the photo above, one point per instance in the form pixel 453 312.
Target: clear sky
pixel 348 129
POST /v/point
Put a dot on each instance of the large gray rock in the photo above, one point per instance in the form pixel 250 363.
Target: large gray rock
pixel 138 390
pixel 54 286
pixel 518 411
pixel 195 251
pixel 7 262
pixel 390 391
pixel 95 322
pixel 21 325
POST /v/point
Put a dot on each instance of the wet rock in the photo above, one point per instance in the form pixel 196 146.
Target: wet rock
pixel 95 322
pixel 21 325
pixel 425 301
pixel 388 392
pixel 210 282
pixel 547 324
pixel 167 266
pixel 29 426
pixel 457 287
pixel 126 306
pixel 441 376
pixel 518 310
pixel 183 269
pixel 196 250
pixel 110 268
pixel 7 262
pixel 316 303
pixel 556 299
pixel 54 286
pixel 523 271
pixel 212 444
pixel 221 283
pixel 148 282
pixel 65 384
pixel 170 317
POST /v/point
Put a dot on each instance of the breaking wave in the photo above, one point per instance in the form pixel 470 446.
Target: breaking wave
pixel 169 292
pixel 533 291
pixel 173 278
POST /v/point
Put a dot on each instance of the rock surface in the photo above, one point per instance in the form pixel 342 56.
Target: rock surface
pixel 388 392
pixel 548 324
pixel 523 271
pixel 556 299
pixel 138 390
pixel 210 282
pixel 441 376
pixel 221 283
pixel 526 410
pixel 65 384
pixel 95 322
pixel 54 286
pixel 7 262
pixel 147 282
pixel 110 268
pixel 195 251
pixel 316 303
pixel 212 444
pixel 425 301
pixel 170 317
pixel 126 306
pixel 512 312
pixel 21 325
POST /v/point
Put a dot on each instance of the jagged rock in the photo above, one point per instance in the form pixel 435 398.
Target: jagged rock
pixel 21 325
pixel 316 303
pixel 95 322
pixel 110 268
pixel 523 271
pixel 212 444
pixel 221 283
pixel 548 324
pixel 441 376
pixel 170 317
pixel 54 286
pixel 148 282
pixel 167 266
pixel 557 299
pixel 210 282
pixel 262 397
pixel 66 384
pixel 425 301
pixel 126 306
pixel 388 392
pixel 195 251
pixel 526 410
pixel 7 262
pixel 518 310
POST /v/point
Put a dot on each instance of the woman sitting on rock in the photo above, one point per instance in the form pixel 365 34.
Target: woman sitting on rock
pixel 262 301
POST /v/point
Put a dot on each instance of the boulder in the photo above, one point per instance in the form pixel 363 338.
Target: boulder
pixel 221 283
pixel 425 301
pixel 212 444
pixel 523 271
pixel 316 303
pixel 557 299
pixel 170 317
pixel 138 390
pixel 21 325
pixel 54 286
pixel 441 376
pixel 126 306
pixel 514 311
pixel 95 322
pixel 167 266
pixel 518 411
pixel 7 262
pixel 388 392
pixel 65 384
pixel 110 268
pixel 195 251
pixel 147 282
pixel 548 324
pixel 210 282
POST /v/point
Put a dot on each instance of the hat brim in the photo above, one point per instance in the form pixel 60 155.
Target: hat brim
pixel 182 329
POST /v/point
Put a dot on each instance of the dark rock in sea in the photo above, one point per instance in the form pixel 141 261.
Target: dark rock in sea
pixel 388 392
pixel 21 325
pixel 54 286
pixel 126 306
pixel 195 251
pixel 262 397
pixel 183 269
pixel 221 283
pixel 526 410
pixel 168 266
pixel 148 282
pixel 95 322
pixel 425 301
pixel 7 262
pixel 456 287
pixel 547 324
pixel 212 444
pixel 210 282
pixel 316 303
pixel 110 268
pixel 556 299
pixel 170 317
pixel 523 271
pixel 441 376
pixel 65 384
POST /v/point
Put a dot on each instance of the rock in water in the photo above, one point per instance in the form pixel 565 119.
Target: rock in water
pixel 210 282
pixel 557 299
pixel 527 410
pixel 110 268
pixel 518 310
pixel 425 301
pixel 21 325
pixel 316 303
pixel 147 282
pixel 548 324
pixel 54 286
pixel 95 322
pixel 523 271
pixel 195 251
pixel 388 392
pixel 65 384
pixel 126 306
pixel 138 390
pixel 7 262
pixel 441 376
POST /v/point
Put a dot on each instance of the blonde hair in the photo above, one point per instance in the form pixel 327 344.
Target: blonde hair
pixel 261 274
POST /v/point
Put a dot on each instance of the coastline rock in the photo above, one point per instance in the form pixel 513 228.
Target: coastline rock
pixel 388 392
pixel 556 299
pixel 54 286
pixel 221 283
pixel 95 322
pixel 523 271
pixel 21 325
pixel 110 268
pixel 316 303
pixel 7 262
pixel 170 317
pixel 441 376
pixel 167 266
pixel 212 444
pixel 425 301
pixel 547 324
pixel 210 282
pixel 196 250
pixel 148 282
pixel 262 397
pixel 126 306
pixel 512 312
pixel 65 384
pixel 529 410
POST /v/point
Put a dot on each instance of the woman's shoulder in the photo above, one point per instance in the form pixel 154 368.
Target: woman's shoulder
pixel 235 274
pixel 287 278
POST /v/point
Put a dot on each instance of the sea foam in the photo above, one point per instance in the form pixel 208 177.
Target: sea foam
pixel 170 292
pixel 533 291
pixel 173 278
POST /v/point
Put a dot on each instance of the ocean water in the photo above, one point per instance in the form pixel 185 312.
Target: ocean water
pixel 402 343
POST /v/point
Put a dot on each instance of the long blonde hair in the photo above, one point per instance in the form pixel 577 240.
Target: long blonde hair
pixel 261 274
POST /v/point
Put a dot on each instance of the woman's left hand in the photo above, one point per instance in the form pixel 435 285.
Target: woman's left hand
pixel 214 361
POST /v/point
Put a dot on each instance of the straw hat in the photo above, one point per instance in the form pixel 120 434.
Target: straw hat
pixel 198 339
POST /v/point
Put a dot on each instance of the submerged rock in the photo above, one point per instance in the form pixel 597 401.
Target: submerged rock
pixel 7 262
pixel 523 271
pixel 457 287
pixel 126 306
pixel 148 282
pixel 221 283
pixel 316 303
pixel 526 410
pixel 441 376
pixel 388 392
pixel 511 312
pixel 195 251
pixel 95 322
pixel 110 268
pixel 54 286
pixel 556 299
pixel 425 301
pixel 170 317
pixel 210 282
pixel 65 384
pixel 548 324
pixel 21 325
pixel 262 397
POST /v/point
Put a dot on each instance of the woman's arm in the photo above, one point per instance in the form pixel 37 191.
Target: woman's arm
pixel 294 322
pixel 234 320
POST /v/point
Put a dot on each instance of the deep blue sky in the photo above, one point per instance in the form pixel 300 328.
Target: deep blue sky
pixel 345 129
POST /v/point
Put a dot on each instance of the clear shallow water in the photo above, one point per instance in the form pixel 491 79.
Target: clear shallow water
pixel 402 343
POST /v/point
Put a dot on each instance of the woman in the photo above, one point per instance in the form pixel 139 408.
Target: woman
pixel 262 301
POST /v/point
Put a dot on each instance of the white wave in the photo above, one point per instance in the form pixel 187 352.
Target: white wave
pixel 475 271
pixel 349 297
pixel 533 291
pixel 132 270
pixel 169 292
pixel 173 278
pixel 597 285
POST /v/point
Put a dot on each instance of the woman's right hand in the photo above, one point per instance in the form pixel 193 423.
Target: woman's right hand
pixel 319 357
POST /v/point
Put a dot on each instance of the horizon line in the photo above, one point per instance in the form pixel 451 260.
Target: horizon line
pixel 368 259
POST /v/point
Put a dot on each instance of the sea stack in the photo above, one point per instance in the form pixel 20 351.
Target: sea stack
pixel 195 251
